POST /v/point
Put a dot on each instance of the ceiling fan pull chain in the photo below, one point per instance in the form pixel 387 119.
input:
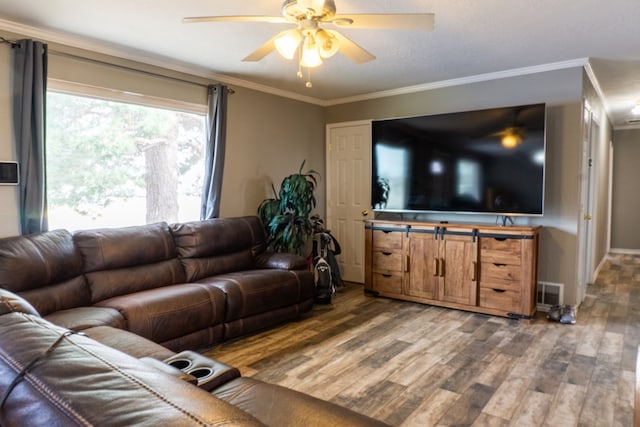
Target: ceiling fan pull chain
pixel 299 60
pixel 308 84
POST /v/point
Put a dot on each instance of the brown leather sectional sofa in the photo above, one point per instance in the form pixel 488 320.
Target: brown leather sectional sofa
pixel 143 298
pixel 185 286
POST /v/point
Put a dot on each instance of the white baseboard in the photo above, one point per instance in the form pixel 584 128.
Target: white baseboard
pixel 598 268
pixel 625 251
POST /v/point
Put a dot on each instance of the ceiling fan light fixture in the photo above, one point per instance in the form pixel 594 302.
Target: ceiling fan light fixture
pixel 310 57
pixel 287 43
pixel 512 137
pixel 328 44
pixel 510 141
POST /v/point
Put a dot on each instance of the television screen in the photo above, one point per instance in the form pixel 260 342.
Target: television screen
pixel 486 161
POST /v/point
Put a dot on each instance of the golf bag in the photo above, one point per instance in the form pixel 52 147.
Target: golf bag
pixel 326 270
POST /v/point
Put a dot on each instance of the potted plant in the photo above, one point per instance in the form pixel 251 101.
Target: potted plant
pixel 286 217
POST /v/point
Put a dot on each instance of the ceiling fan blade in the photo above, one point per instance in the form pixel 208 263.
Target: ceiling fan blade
pixel 269 19
pixel 351 50
pixel 398 21
pixel 262 51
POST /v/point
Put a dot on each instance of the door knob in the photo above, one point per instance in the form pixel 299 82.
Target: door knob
pixel 365 212
pixel 587 217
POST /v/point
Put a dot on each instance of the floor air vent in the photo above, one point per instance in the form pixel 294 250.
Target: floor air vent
pixel 549 294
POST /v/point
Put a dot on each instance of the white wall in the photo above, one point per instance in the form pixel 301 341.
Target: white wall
pixel 9 222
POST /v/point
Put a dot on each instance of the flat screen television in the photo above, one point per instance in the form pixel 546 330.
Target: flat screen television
pixel 487 161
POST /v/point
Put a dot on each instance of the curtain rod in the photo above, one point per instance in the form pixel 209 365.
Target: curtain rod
pixel 127 68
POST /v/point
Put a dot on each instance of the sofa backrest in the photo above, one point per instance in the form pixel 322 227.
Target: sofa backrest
pixel 218 246
pixel 120 261
pixel 45 269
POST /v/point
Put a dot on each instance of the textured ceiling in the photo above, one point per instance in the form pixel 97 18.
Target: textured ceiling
pixel 471 38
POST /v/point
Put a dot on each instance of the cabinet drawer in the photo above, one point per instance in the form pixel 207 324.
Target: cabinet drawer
pixel 387 239
pixel 494 270
pixel 500 299
pixel 500 257
pixel 505 285
pixel 387 283
pixel 498 244
pixel 387 261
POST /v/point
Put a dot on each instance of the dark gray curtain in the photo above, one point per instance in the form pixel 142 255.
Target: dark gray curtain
pixel 30 91
pixel 214 157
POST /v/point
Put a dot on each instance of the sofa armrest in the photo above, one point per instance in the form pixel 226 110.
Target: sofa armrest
pixel 170 370
pixel 281 260
pixel 10 302
pixel 209 373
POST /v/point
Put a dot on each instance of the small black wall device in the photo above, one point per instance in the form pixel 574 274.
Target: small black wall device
pixel 9 173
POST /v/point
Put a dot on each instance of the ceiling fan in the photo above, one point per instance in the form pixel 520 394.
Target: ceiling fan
pixel 310 41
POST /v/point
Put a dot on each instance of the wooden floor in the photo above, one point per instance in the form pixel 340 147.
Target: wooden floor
pixel 416 365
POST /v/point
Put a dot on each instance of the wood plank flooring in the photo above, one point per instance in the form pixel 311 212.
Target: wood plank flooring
pixel 416 365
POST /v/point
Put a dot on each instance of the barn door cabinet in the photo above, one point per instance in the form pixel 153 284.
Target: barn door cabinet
pixel 485 269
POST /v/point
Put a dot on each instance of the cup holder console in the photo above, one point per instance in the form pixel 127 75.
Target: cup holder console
pixel 208 372
pixel 181 364
pixel 202 373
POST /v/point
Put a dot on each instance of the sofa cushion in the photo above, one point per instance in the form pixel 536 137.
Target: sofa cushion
pixel 80 318
pixel 82 382
pixel 45 269
pixel 257 291
pixel 120 261
pixel 172 311
pixel 218 246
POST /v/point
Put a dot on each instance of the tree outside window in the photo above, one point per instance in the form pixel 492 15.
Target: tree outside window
pixel 116 164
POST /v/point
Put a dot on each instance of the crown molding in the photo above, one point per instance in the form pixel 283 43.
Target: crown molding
pixel 596 85
pixel 515 72
pixel 137 56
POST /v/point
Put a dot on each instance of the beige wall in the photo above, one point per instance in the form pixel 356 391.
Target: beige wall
pixel 9 224
pixel 562 91
pixel 268 137
pixel 625 232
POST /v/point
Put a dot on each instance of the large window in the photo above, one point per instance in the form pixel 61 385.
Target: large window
pixel 116 163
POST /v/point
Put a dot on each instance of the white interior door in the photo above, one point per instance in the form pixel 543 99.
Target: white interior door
pixel 349 192
pixel 585 230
